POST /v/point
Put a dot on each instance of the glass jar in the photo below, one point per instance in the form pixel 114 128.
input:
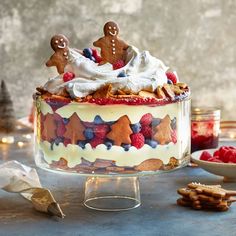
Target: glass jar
pixel 205 128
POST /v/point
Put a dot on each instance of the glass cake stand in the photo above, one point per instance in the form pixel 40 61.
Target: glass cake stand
pixel 113 192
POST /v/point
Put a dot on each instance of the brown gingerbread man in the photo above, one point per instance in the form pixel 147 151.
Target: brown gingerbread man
pixel 112 48
pixel 59 44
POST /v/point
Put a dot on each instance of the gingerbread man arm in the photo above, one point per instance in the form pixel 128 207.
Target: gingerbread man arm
pixel 50 62
pixel 98 43
pixel 125 45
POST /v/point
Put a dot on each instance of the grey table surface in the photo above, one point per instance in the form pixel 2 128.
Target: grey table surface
pixel 158 214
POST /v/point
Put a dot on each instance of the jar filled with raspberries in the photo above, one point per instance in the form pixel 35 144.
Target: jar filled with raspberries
pixel 205 128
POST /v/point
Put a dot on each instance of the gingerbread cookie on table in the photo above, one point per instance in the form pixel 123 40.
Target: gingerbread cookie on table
pixel 113 49
pixel 59 44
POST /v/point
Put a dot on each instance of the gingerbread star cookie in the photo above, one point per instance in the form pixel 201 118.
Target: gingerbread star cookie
pixel 112 48
pixel 121 131
pixel 75 129
pixel 163 131
pixel 49 128
pixel 59 44
pixel 209 197
pixel 212 190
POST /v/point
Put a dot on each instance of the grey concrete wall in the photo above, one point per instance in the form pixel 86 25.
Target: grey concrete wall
pixel 197 38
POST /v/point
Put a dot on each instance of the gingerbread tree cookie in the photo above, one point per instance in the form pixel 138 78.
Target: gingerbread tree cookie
pixel 112 48
pixel 49 128
pixel 75 129
pixel 121 131
pixel 7 115
pixel 59 44
pixel 163 131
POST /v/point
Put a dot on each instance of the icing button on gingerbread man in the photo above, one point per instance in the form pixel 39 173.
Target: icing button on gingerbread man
pixel 59 44
pixel 112 48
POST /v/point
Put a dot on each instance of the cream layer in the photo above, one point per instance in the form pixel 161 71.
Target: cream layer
pixel 74 153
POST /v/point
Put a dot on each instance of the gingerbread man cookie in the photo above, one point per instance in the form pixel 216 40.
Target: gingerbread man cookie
pixel 112 48
pixel 59 44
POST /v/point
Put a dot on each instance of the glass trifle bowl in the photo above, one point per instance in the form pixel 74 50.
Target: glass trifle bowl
pixel 115 139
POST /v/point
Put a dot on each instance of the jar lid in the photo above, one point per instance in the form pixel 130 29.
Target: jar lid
pixel 204 113
pixel 205 110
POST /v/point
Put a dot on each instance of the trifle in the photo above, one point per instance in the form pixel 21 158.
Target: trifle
pixel 120 111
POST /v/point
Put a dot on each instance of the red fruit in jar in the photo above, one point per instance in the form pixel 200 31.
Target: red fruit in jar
pixel 137 140
pixel 96 141
pixel 68 76
pixel 146 131
pixel 101 130
pixel 171 76
pixel 146 119
pixel 205 156
pixel 119 64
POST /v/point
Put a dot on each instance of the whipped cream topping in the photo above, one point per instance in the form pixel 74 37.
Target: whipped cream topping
pixel 142 72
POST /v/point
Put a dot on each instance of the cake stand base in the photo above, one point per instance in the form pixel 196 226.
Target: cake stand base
pixel 112 193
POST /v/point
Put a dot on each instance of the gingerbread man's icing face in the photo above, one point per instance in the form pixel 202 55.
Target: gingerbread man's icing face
pixel 111 29
pixel 59 41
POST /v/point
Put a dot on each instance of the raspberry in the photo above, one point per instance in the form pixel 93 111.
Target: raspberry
pixel 98 59
pixel 226 156
pixel 137 140
pixel 171 76
pixel 174 136
pixel 223 153
pixel 68 76
pixel 216 153
pixel 205 156
pixel 101 130
pixel 66 142
pixel 119 64
pixel 146 131
pixel 215 159
pixel 232 157
pixel 146 119
pixel 96 141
